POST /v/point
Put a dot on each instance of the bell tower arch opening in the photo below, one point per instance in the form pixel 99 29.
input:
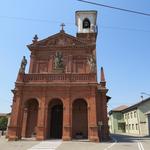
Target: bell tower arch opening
pixel 86 23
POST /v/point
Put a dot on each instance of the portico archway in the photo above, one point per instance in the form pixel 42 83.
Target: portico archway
pixel 55 119
pixel 79 119
pixel 31 113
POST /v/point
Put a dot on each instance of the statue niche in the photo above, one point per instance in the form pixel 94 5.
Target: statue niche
pixel 92 64
pixel 58 61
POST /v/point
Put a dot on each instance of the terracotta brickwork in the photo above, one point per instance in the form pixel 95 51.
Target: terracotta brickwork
pixel 59 97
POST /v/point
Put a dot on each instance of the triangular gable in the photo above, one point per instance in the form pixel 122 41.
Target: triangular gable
pixel 60 39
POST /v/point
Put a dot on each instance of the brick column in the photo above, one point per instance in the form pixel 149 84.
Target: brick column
pixel 24 122
pixel 40 132
pixel 92 120
pixel 105 127
pixel 13 129
pixel 32 61
pixel 50 62
pixel 46 122
pixel 66 120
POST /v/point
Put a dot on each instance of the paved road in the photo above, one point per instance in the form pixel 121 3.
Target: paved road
pixel 124 142
pixel 121 142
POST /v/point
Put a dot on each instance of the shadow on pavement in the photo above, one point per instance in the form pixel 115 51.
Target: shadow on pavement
pixel 128 138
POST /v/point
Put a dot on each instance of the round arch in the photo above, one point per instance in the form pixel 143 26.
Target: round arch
pixel 30 98
pixel 55 119
pixel 30 117
pixel 86 23
pixel 79 119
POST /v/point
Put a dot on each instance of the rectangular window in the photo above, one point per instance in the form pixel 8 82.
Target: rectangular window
pixel 136 126
pixel 129 126
pixel 134 114
pixel 119 116
pixel 126 127
pixel 131 114
pixel 132 126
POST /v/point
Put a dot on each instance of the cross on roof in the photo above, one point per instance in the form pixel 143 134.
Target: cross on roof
pixel 62 26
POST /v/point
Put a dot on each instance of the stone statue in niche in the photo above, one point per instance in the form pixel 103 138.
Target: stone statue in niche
pixel 23 65
pixel 92 64
pixel 58 60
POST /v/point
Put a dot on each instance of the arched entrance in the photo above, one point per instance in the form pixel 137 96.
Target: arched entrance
pixel 31 107
pixel 55 119
pixel 79 119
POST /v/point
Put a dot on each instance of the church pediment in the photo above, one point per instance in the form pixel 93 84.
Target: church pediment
pixel 60 39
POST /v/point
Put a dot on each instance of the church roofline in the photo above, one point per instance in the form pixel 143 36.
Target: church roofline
pixel 89 47
pixel 83 43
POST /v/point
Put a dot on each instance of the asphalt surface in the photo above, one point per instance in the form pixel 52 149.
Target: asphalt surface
pixel 119 142
pixel 125 142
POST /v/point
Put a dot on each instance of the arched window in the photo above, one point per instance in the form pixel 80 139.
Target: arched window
pixel 86 23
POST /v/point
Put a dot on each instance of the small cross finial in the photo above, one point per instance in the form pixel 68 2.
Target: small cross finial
pixel 35 38
pixel 62 26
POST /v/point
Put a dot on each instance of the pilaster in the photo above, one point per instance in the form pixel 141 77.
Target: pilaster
pixel 105 127
pixel 14 129
pixel 41 135
pixel 24 123
pixel 67 120
pixel 92 120
pixel 32 59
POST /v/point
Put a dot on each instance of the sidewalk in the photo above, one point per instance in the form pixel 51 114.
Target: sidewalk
pixel 16 145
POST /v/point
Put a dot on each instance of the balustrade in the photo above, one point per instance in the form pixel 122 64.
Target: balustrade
pixel 59 78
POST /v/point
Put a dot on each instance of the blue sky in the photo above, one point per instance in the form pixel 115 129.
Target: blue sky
pixel 123 42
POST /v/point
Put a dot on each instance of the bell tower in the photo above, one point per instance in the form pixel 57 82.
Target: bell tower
pixel 86 21
pixel 86 24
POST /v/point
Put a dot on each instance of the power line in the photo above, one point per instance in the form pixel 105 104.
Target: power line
pixel 117 8
pixel 71 23
pixel 124 28
pixel 30 19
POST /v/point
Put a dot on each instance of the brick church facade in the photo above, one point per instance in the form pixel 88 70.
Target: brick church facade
pixel 60 97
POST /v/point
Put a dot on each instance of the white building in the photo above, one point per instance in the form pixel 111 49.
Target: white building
pixel 137 118
pixel 133 120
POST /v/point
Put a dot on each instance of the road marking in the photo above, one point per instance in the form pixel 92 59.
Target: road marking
pixel 140 146
pixel 46 145
pixel 115 142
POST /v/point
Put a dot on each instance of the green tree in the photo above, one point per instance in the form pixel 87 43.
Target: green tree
pixel 3 123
